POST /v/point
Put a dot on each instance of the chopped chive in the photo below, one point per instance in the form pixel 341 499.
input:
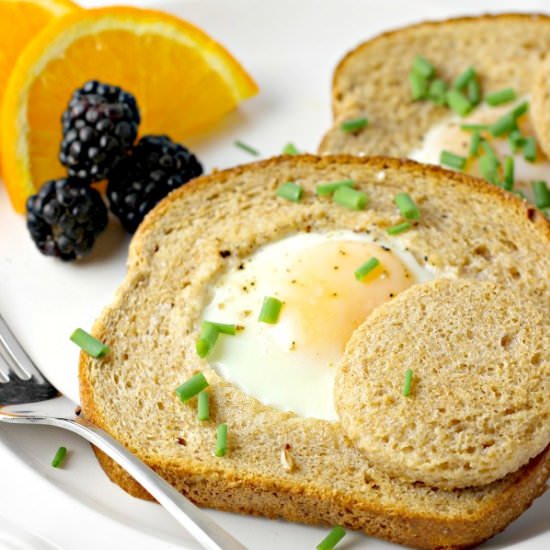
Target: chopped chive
pixel 458 102
pixel 474 127
pixel 370 265
pixel 221 441
pixel 290 149
pixel 474 92
pixel 271 308
pixel 504 125
pixel 208 337
pixel 501 96
pixel 419 85
pixel 520 110
pixel 509 173
pixel 203 405
pixel 520 194
pixel 222 328
pixel 437 91
pixel 450 159
pixel 486 146
pixel 332 539
pixel 406 206
pixel 423 66
pixel 462 80
pixel 290 191
pixel 247 148
pixel 516 140
pixel 474 144
pixel 542 194
pixel 488 166
pixel 192 387
pixel 92 346
pixel 408 383
pixel 546 212
pixel 530 149
pixel 354 125
pixel 350 198
pixel 59 457
pixel 399 228
pixel 325 189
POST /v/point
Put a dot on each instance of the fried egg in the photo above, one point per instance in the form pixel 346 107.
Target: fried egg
pixel 448 136
pixel 291 365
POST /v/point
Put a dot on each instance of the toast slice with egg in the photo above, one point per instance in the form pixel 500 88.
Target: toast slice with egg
pixel 278 463
pixel 505 51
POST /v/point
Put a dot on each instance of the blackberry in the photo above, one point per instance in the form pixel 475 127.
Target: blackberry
pixel 139 181
pixel 100 124
pixel 65 217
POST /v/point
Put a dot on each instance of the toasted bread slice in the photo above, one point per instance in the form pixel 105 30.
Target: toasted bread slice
pixel 468 229
pixel 372 80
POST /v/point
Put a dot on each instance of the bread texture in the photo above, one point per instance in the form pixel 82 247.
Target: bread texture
pixel 506 51
pixel 477 409
pixel 468 229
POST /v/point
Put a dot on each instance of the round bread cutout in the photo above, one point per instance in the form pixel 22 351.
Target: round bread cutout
pixel 479 405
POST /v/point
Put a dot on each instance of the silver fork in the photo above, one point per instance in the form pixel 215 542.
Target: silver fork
pixel 27 397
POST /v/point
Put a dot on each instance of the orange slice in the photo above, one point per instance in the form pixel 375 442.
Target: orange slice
pixel 183 81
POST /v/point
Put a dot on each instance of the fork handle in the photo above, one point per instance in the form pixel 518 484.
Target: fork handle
pixel 204 530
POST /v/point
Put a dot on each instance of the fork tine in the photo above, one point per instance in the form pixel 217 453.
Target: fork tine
pixel 15 356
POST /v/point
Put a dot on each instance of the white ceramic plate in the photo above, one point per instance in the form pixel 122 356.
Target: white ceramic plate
pixel 290 47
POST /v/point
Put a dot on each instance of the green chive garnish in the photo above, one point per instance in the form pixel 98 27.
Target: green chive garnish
pixel 488 166
pixel 408 383
pixel 509 173
pixel 406 206
pixel 350 198
pixel 326 189
pixel 332 539
pixel 192 387
pixel 504 125
pixel 461 81
pixel 247 148
pixel 530 149
pixel 290 149
pixel 437 91
pixel 542 194
pixel 474 144
pixel 290 191
pixel 59 457
pixel 203 405
pixel 423 66
pixel 354 125
pixel 474 92
pixel 366 268
pixel 399 228
pixel 474 127
pixel 520 110
pixel 271 308
pixel 546 212
pixel 222 328
pixel 450 159
pixel 419 85
pixel 221 441
pixel 500 97
pixel 486 146
pixel 516 140
pixel 520 194
pixel 92 346
pixel 458 102
pixel 207 339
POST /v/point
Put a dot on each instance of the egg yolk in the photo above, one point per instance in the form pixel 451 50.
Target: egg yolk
pixel 324 302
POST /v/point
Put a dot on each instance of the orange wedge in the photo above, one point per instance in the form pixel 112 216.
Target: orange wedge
pixel 183 81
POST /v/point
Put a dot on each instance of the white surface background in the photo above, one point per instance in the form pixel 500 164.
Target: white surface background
pixel 290 47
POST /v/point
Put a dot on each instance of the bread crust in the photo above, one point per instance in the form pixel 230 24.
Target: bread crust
pixel 224 487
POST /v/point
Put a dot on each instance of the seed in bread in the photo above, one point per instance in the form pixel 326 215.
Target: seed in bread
pixel 478 407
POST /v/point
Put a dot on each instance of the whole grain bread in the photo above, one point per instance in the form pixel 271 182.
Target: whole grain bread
pixel 477 407
pixel 506 51
pixel 468 229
